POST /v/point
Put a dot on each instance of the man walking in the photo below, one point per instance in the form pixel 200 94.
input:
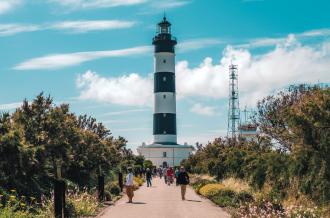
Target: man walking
pixel 129 185
pixel 148 176
pixel 183 181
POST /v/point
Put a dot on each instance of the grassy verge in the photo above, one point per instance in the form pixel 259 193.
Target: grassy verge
pixel 243 201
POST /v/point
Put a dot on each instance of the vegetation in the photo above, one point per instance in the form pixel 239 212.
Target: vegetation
pixel 288 162
pixel 40 134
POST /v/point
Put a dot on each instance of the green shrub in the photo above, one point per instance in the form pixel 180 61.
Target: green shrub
pixel 10 212
pixel 115 189
pixel 83 204
pixel 197 185
pixel 70 209
pixel 226 198
pixel 107 195
pixel 210 190
pixel 244 197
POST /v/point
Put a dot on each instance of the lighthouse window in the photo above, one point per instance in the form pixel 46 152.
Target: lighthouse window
pixel 164 96
pixel 164 61
pixel 164 78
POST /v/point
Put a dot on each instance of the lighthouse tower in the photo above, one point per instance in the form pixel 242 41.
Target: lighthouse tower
pixel 164 151
pixel 164 118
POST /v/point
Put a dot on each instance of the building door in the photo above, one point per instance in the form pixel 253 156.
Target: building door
pixel 165 164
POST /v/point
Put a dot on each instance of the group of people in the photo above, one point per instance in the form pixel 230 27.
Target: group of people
pixel 180 175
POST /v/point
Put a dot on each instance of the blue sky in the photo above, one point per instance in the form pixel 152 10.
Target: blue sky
pixel 97 56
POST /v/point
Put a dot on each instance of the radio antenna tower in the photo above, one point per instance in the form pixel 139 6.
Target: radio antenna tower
pixel 233 111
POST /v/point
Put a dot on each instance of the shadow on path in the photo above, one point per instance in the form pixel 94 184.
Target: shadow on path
pixel 137 203
pixel 194 200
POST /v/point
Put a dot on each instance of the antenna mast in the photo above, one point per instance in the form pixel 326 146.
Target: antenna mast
pixel 233 110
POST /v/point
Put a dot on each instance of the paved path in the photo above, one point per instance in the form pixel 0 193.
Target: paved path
pixel 162 201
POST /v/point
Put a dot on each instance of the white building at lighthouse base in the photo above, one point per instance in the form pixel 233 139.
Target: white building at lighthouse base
pixel 162 155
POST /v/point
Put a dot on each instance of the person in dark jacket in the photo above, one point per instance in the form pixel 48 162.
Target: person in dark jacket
pixel 183 181
pixel 148 177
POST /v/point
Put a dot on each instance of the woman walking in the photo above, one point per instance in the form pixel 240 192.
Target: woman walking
pixel 129 185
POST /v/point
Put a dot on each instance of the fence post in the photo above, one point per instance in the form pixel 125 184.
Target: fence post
pixel 59 198
pixel 101 187
pixel 59 192
pixel 120 181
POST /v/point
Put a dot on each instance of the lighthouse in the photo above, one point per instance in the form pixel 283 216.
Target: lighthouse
pixel 164 117
pixel 164 151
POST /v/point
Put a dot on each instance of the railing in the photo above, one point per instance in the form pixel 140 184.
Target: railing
pixel 164 36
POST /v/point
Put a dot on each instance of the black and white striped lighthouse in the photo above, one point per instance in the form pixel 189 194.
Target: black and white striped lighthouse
pixel 164 120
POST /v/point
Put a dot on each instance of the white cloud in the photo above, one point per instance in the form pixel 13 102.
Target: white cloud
pixel 87 4
pixel 169 4
pixel 259 75
pixel 195 44
pixel 115 113
pixel 78 26
pixel 82 26
pixel 203 110
pixel 131 90
pixel 267 42
pixel 12 29
pixel 57 61
pixel 314 33
pixel 8 5
pixel 10 106
pixel 288 63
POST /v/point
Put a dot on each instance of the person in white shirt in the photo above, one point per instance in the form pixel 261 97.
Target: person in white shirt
pixel 129 185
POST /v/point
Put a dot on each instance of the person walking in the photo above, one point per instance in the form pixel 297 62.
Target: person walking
pixel 149 177
pixel 165 174
pixel 170 176
pixel 129 185
pixel 183 181
pixel 176 173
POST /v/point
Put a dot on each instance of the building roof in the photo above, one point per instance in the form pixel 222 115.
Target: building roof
pixel 166 145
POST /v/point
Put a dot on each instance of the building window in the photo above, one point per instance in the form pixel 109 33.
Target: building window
pixel 164 96
pixel 164 115
pixel 164 61
pixel 164 79
pixel 164 154
pixel 164 132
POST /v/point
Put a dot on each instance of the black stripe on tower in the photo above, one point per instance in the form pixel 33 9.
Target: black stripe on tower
pixel 164 43
pixel 164 123
pixel 164 82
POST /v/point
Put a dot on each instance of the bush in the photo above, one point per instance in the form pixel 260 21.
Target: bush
pixel 115 189
pixel 210 190
pixel 199 183
pixel 10 211
pixel 225 198
pixel 82 204
pixel 138 181
pixel 107 195
pixel 244 197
